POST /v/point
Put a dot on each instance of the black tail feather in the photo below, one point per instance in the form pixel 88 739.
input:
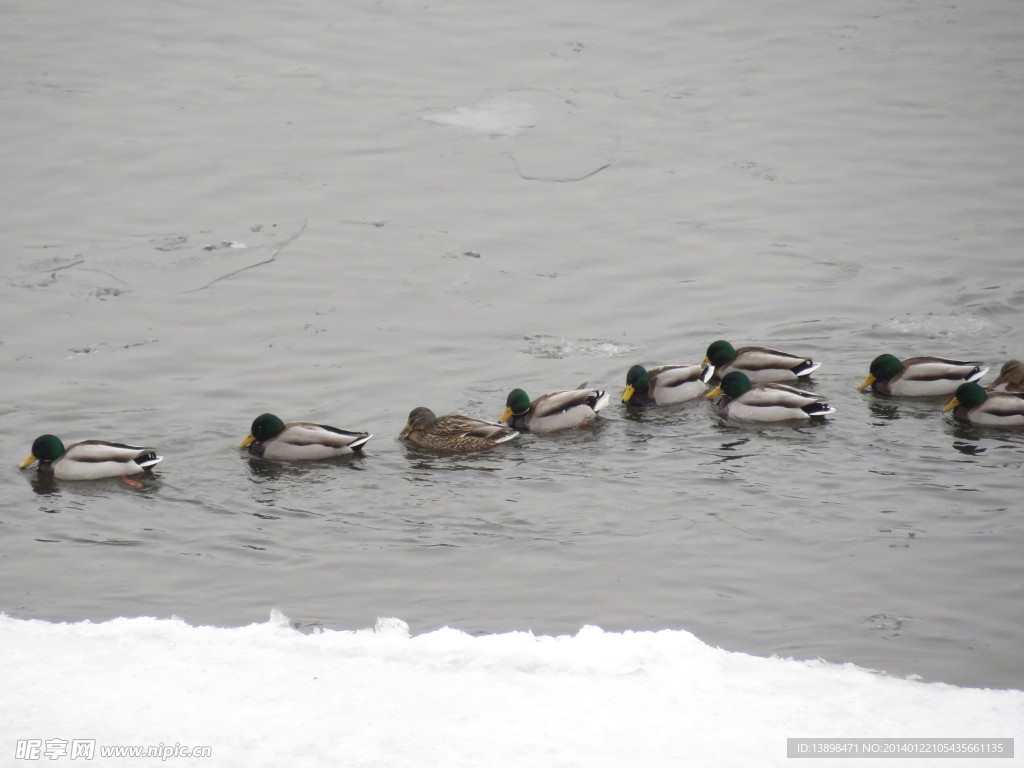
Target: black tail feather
pixel 817 409
pixel 359 443
pixel 148 460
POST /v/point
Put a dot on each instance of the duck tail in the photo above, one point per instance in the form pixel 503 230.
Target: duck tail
pixel 806 368
pixel 818 409
pixel 148 460
pixel 512 435
pixel 358 444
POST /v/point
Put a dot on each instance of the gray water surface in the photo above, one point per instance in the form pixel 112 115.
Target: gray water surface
pixel 340 213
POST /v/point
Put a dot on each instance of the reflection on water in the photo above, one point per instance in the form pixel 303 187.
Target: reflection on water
pixel 438 465
pixel 663 414
pixel 735 444
pixel 889 408
pixel 883 410
pixel 969 448
pixel 969 438
pixel 144 484
pixel 44 485
pixel 273 469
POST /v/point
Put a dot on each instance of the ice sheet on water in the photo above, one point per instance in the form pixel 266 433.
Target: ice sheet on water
pixel 559 347
pixel 506 114
pixel 949 328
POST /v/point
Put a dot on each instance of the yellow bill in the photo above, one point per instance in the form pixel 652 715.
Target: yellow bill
pixel 867 382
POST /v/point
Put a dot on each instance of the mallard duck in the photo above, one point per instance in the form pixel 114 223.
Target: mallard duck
pixel 553 411
pixel 89 459
pixel 766 401
pixel 666 384
pixel 271 438
pixel 758 363
pixel 1012 375
pixel 453 432
pixel 920 376
pixel 973 405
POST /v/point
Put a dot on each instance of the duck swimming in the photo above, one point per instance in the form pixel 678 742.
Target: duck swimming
pixel 553 411
pixel 666 384
pixel 89 459
pixel 920 376
pixel 271 438
pixel 453 432
pixel 1012 375
pixel 973 405
pixel 766 401
pixel 760 364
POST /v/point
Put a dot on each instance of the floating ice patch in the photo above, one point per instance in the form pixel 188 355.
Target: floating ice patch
pixel 498 117
pixel 223 244
pixel 934 325
pixel 171 243
pixel 558 347
pixel 505 115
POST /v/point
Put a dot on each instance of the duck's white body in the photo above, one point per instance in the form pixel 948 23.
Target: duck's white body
pixel 560 410
pixel 762 364
pixel 773 402
pixel 303 440
pixel 926 377
pixel 96 459
pixel 923 377
pixel 678 383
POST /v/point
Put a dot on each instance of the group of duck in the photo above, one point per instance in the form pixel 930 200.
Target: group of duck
pixel 749 384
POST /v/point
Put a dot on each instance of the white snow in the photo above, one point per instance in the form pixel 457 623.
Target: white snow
pixel 268 694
